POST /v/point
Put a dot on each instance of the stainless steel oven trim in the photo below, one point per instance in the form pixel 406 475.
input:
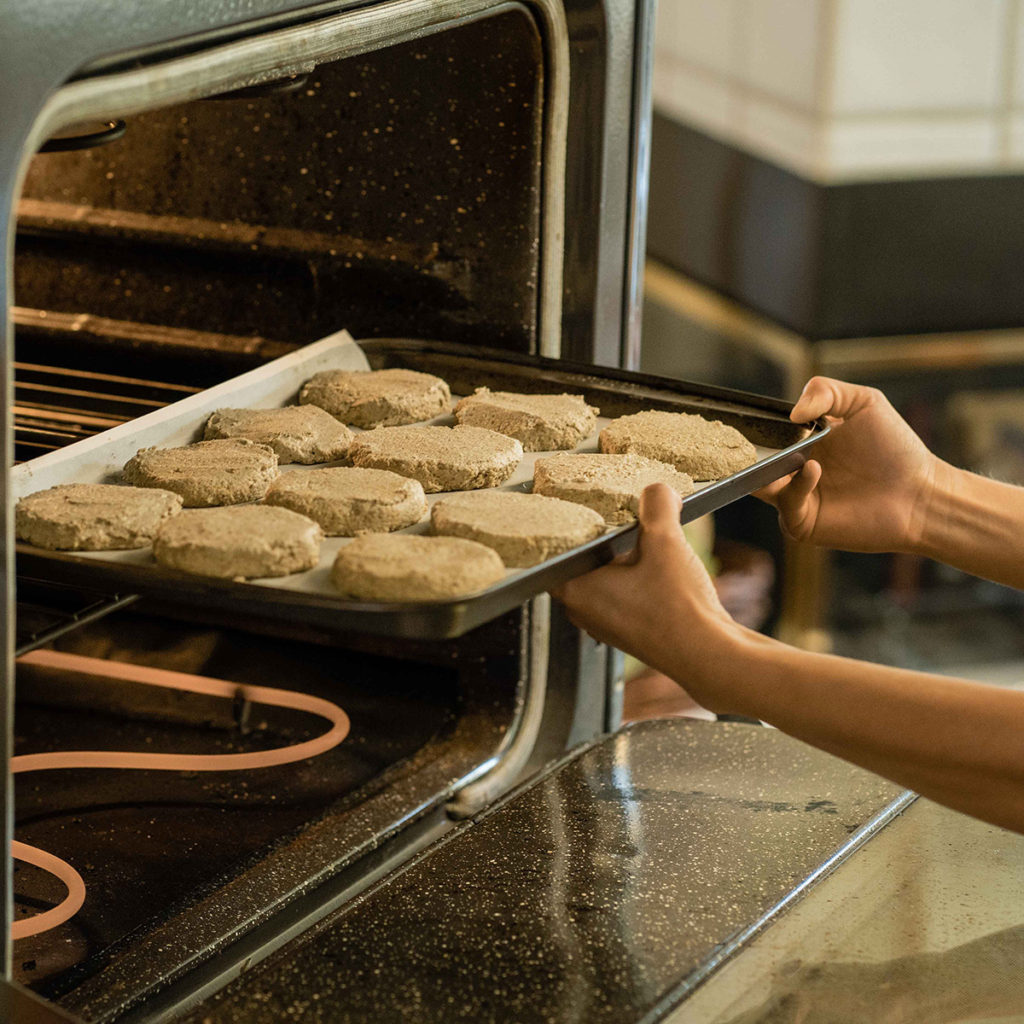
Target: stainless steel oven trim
pixel 497 775
pixel 640 160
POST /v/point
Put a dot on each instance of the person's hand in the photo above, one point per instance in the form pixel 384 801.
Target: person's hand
pixel 868 486
pixel 657 602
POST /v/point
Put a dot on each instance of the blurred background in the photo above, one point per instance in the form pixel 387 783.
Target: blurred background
pixel 838 187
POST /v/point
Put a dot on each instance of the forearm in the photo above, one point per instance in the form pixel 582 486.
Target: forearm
pixel 975 524
pixel 960 743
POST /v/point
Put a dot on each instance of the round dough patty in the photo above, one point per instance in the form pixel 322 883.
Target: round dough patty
pixel 226 472
pixel 706 449
pixel 248 541
pixel 543 423
pixel 523 528
pixel 297 433
pixel 378 398
pixel 407 567
pixel 456 458
pixel 93 517
pixel 609 484
pixel 346 502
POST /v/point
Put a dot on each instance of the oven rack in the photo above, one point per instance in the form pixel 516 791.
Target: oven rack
pixel 47 610
pixel 55 405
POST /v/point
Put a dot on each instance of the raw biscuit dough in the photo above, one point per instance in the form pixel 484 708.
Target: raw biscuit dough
pixel 523 528
pixel 543 423
pixel 297 433
pixel 378 398
pixel 93 517
pixel 609 484
pixel 225 472
pixel 706 449
pixel 408 567
pixel 456 458
pixel 247 541
pixel 348 501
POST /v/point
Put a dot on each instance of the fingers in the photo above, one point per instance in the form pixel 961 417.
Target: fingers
pixel 659 520
pixel 770 492
pixel 659 517
pixel 823 396
pixel 797 501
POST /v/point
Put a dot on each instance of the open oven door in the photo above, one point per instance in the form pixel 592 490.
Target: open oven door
pixel 607 888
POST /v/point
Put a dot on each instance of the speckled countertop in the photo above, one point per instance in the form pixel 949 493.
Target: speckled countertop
pixel 599 893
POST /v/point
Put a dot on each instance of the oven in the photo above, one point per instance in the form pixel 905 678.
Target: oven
pixel 189 192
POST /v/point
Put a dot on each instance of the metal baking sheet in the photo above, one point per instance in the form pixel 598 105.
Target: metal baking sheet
pixel 309 597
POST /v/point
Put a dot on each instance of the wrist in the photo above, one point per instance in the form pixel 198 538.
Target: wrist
pixel 719 675
pixel 934 513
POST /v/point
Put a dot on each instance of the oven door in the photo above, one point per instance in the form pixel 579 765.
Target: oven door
pixel 605 889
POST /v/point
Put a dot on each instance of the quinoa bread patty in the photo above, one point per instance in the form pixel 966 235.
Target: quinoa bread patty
pixel 524 529
pixel 456 458
pixel 242 541
pixel 347 501
pixel 93 517
pixel 224 472
pixel 542 423
pixel 705 449
pixel 305 434
pixel 408 567
pixel 378 398
pixel 609 484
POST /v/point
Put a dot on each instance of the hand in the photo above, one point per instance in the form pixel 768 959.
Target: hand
pixel 869 485
pixel 657 602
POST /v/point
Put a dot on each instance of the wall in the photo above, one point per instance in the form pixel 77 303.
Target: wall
pixel 850 89
pixel 845 166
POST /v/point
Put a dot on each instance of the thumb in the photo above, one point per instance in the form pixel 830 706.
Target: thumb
pixel 797 502
pixel 659 517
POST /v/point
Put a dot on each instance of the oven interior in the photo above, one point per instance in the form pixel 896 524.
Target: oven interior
pixel 394 193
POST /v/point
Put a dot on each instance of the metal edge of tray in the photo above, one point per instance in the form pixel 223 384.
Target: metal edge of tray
pixel 441 620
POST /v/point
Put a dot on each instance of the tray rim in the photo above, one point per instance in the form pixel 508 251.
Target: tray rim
pixel 450 618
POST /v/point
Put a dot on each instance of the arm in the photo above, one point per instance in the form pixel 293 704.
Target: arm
pixel 960 743
pixel 873 486
pixel 977 525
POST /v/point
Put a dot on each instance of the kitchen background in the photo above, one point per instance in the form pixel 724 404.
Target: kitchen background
pixel 838 187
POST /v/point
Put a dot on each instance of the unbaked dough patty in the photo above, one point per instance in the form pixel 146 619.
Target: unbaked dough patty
pixel 543 423
pixel 706 449
pixel 225 472
pixel 93 517
pixel 456 458
pixel 297 433
pixel 378 398
pixel 349 501
pixel 523 528
pixel 247 541
pixel 609 484
pixel 408 567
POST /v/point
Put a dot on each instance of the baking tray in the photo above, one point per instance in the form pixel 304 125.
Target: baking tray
pixel 309 598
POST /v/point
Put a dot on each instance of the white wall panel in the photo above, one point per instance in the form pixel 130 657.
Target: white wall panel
pixel 903 55
pixel 781 48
